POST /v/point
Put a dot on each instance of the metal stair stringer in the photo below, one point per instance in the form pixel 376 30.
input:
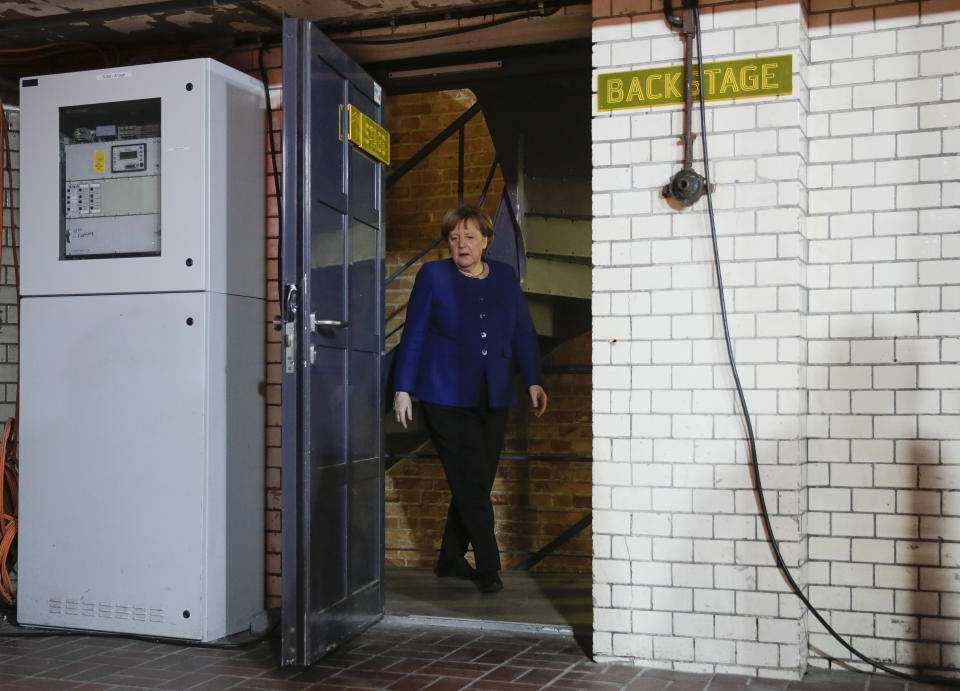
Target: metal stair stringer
pixel 557 230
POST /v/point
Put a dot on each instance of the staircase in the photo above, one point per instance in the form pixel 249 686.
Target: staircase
pixel 539 122
pixel 555 222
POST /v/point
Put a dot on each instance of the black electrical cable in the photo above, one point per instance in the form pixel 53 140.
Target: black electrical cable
pixel 764 513
pixel 276 171
pixel 447 32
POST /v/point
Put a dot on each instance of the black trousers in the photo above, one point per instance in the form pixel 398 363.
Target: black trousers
pixel 468 441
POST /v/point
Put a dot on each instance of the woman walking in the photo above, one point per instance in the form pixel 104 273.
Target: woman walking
pixel 468 332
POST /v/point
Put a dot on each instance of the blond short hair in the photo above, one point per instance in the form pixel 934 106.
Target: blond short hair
pixel 455 217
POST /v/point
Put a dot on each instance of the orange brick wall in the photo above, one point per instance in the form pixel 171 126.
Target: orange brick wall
pixel 539 500
pixel 272 62
pixel 248 62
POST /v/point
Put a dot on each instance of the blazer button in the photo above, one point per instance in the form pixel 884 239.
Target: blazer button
pixel 483 334
pixel 483 315
pixel 483 352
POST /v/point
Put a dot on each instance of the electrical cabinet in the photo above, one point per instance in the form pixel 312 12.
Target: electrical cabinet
pixel 142 359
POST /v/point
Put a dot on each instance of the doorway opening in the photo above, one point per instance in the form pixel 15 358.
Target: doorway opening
pixel 517 143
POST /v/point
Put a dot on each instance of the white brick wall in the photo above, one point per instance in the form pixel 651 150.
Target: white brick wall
pixel 9 357
pixel 840 239
pixel 889 378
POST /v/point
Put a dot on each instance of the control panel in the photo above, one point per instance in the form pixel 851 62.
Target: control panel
pixel 111 180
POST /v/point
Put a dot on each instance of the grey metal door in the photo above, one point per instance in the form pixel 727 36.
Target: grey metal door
pixel 332 302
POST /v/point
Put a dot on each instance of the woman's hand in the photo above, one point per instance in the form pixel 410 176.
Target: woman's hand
pixel 538 399
pixel 403 407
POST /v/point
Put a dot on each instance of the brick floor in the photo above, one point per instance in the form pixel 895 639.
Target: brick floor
pixel 388 656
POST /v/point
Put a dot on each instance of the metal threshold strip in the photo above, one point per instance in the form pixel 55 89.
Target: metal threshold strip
pixel 416 620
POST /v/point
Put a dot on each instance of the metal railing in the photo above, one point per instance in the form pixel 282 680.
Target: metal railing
pixel 431 146
pixel 555 544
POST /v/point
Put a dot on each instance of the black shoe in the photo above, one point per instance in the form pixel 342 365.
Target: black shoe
pixel 489 582
pixel 458 569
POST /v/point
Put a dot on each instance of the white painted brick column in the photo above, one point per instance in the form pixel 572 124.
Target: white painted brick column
pixel 683 575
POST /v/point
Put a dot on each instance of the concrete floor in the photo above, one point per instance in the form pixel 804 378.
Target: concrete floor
pixel 529 602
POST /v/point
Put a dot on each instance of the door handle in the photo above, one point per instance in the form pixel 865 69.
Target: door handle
pixel 315 323
pixel 287 323
pixel 290 303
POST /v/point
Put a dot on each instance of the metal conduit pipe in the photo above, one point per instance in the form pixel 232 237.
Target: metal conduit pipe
pixel 668 13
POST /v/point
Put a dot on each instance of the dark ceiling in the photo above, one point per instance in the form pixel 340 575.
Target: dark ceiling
pixel 125 23
pixel 46 36
pixel 111 22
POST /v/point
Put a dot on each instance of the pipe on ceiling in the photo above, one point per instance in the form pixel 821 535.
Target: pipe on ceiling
pixel 108 13
pixel 425 17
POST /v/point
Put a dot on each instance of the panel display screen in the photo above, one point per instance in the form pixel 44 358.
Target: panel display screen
pixel 110 175
pixel 127 157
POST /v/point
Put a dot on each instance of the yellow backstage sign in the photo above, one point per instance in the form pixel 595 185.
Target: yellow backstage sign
pixel 660 86
pixel 368 135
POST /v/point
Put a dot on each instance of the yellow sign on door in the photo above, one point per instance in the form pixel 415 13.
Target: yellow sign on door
pixel 99 160
pixel 368 135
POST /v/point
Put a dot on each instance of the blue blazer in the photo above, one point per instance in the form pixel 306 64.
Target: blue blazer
pixel 461 331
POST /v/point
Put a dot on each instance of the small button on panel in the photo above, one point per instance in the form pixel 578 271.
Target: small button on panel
pixel 82 199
